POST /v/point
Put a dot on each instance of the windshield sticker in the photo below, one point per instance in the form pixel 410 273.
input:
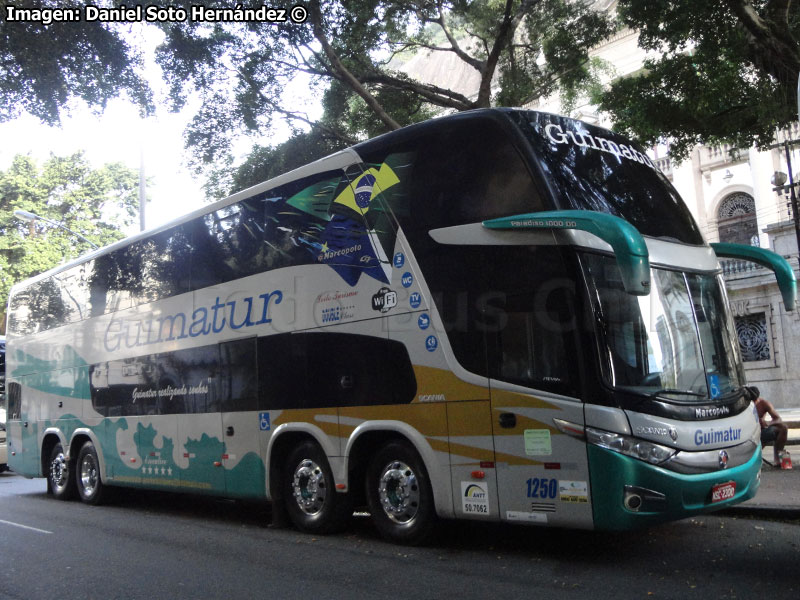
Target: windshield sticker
pixel 424 321
pixel 407 279
pixel 713 386
pixel 537 442
pixel 415 299
pixel 399 260
pixel 573 491
pixel 474 498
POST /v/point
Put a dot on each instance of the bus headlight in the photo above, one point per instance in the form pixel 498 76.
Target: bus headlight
pixel 629 446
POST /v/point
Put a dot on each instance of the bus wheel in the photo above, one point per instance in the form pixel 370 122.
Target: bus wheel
pixel 90 489
pixel 399 495
pixel 312 502
pixel 59 477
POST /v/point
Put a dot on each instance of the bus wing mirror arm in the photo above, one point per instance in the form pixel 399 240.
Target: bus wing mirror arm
pixel 628 244
pixel 787 282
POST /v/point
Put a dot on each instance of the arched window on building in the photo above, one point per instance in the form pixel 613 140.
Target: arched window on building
pixel 736 219
pixel 737 224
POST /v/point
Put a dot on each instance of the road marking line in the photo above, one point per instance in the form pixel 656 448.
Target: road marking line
pixel 25 526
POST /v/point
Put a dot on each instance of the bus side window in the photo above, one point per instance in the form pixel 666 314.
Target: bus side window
pixel 282 375
pixel 40 308
pixel 14 400
pixel 326 369
pixel 238 377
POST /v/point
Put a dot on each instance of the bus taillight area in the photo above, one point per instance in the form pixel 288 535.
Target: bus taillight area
pixel 628 493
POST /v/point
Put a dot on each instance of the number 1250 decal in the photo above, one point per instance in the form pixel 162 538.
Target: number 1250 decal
pixel 542 487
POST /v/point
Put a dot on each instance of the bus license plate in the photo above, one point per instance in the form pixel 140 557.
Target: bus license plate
pixel 723 491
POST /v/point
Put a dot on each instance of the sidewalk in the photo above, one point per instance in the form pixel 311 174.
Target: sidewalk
pixel 779 494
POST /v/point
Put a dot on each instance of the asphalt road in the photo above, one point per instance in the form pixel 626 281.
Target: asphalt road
pixel 153 545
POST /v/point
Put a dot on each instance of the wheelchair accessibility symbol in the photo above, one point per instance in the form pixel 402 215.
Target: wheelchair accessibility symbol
pixel 263 421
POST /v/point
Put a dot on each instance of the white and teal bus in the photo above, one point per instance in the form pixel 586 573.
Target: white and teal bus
pixel 500 315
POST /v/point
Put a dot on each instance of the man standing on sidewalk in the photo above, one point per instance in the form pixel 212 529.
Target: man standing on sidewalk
pixel 774 431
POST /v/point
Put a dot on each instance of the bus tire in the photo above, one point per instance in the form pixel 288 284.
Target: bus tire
pixel 399 495
pixel 60 481
pixel 91 489
pixel 312 502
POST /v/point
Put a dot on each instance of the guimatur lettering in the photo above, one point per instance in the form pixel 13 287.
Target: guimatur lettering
pixel 123 333
pixel 587 140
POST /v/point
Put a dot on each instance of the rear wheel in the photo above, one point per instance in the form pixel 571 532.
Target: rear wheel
pixel 399 495
pixel 312 502
pixel 90 488
pixel 60 481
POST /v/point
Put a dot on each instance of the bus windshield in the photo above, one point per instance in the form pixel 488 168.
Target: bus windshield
pixel 676 343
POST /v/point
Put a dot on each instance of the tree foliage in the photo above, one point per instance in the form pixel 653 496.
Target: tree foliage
pixel 96 203
pixel 727 72
pixel 44 67
pixel 350 52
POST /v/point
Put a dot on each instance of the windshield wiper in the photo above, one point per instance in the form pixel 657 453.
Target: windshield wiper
pixel 674 391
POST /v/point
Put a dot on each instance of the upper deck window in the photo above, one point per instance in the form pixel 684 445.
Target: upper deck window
pixel 589 168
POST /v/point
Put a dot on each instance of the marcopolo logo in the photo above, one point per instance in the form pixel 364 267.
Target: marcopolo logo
pixel 714 411
pixel 384 300
pixel 331 254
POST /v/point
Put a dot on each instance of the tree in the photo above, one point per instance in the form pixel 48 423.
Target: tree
pixel 727 72
pixel 97 203
pixel 44 67
pixel 351 51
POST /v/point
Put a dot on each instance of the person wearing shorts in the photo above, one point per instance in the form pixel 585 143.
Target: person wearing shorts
pixel 773 432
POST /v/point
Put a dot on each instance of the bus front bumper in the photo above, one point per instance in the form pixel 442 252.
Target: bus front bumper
pixel 628 493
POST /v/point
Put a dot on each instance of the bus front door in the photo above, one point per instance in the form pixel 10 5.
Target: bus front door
pixel 542 471
pixel 245 474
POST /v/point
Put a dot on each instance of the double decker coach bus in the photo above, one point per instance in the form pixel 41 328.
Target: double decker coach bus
pixel 501 315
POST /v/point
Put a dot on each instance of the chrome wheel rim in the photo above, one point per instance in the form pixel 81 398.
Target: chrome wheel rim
pixel 88 475
pixel 398 491
pixel 309 487
pixel 59 474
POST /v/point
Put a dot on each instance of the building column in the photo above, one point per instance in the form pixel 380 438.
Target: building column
pixel 699 196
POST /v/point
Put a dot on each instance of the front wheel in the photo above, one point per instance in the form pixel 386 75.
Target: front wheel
pixel 312 502
pixel 90 488
pixel 60 481
pixel 399 495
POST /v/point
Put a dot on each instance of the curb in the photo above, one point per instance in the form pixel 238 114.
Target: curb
pixel 763 512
